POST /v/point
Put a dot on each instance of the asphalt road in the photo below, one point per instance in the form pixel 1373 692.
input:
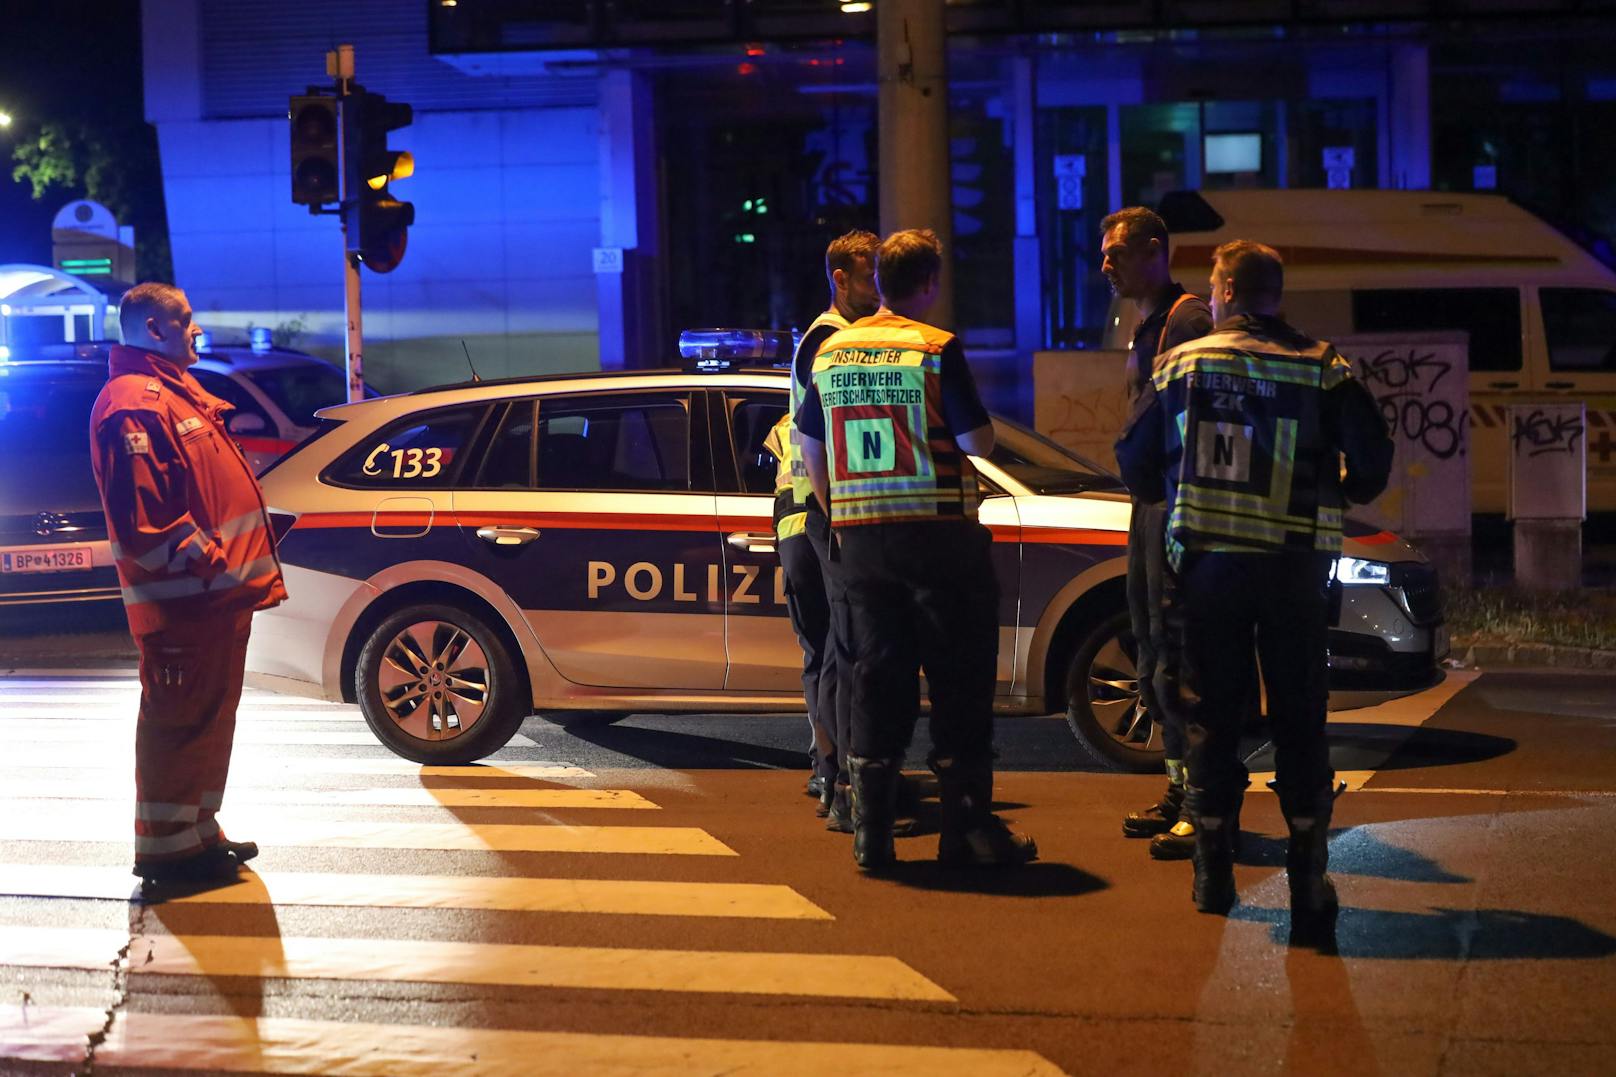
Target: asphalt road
pixel 655 895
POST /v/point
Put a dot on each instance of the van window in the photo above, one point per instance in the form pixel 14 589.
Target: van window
pixel 1580 324
pixel 1492 317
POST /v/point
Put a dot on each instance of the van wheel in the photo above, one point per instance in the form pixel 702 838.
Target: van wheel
pixel 436 685
pixel 1103 706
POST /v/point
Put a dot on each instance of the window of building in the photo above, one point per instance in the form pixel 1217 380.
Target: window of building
pixel 1492 317
pixel 417 453
pixel 1580 324
pixel 637 441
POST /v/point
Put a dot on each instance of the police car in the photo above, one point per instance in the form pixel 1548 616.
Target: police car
pixel 460 557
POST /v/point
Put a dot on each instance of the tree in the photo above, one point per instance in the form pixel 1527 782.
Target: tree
pixel 116 166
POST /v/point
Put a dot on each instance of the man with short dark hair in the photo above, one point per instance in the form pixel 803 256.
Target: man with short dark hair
pixel 887 429
pixel 196 557
pixel 1134 249
pixel 802 532
pixel 1244 433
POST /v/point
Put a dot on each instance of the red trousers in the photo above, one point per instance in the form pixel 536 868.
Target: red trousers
pixel 190 684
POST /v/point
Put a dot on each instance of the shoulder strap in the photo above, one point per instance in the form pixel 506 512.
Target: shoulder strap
pixel 1167 321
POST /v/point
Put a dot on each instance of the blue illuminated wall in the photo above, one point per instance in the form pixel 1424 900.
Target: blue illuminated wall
pixel 506 192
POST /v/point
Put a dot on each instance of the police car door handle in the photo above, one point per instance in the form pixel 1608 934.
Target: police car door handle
pixel 752 541
pixel 507 536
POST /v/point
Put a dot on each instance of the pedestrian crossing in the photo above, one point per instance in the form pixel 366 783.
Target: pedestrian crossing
pixel 66 784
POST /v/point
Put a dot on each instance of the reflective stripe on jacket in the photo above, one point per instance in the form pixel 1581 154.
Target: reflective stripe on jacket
pixel 891 454
pixel 792 487
pixel 189 531
pixel 1251 465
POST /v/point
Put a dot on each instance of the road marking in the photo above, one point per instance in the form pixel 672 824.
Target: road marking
pixel 610 896
pixel 127 713
pixel 129 696
pixel 289 1045
pixel 266 731
pixel 554 799
pixel 75 672
pixel 247 768
pixel 50 821
pixel 488 964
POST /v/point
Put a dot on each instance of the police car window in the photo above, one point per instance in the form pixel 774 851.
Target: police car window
pixel 417 453
pixel 1492 317
pixel 751 419
pixel 227 390
pixel 507 463
pixel 1580 324
pixel 618 442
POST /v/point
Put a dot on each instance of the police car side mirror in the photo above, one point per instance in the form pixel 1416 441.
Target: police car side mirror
pixel 244 423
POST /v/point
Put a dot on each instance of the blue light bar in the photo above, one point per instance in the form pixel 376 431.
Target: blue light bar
pixel 717 349
pixel 261 340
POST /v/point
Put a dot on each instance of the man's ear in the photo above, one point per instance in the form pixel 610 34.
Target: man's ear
pixel 152 329
pixel 838 280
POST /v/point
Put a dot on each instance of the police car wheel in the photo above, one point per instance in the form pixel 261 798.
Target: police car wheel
pixel 1103 705
pixel 436 685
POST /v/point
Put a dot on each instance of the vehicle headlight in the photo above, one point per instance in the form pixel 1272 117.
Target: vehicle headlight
pixel 1355 570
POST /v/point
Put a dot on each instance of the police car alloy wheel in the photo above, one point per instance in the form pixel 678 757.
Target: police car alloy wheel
pixel 1103 705
pixel 436 685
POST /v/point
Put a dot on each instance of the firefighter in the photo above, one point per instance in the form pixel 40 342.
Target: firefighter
pixel 1245 433
pixel 886 428
pixel 196 557
pixel 802 532
pixel 1135 260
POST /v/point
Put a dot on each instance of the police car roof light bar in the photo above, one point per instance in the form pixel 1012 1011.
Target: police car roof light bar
pixel 721 349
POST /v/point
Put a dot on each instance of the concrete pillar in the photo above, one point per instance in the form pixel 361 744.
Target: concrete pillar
pixel 1408 114
pixel 628 289
pixel 1548 555
pixel 1029 289
pixel 911 66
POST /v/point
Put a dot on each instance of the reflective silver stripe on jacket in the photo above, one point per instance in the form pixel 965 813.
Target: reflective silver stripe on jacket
pixel 188 547
pixel 185 587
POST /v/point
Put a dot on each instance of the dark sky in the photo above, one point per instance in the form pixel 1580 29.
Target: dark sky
pixel 60 59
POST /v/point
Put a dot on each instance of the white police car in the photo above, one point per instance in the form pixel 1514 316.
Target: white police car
pixel 460 557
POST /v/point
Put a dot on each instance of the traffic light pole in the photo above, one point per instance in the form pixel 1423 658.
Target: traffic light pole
pixel 340 66
pixel 355 343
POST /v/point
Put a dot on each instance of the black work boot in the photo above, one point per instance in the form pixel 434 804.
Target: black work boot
pixel 1159 817
pixel 1314 905
pixel 1213 889
pixel 971 834
pixel 874 808
pixel 839 813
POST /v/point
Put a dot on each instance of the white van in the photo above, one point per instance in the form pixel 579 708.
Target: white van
pixel 1540 311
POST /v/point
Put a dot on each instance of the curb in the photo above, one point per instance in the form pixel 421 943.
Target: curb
pixel 1474 654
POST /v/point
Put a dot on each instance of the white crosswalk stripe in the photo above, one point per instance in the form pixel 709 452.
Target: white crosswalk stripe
pixel 69 779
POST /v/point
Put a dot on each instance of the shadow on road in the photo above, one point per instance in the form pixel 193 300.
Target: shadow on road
pixel 684 751
pixel 1449 934
pixel 1354 851
pixel 1032 881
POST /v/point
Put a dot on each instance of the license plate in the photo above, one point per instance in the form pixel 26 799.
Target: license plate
pixel 1439 643
pixel 71 559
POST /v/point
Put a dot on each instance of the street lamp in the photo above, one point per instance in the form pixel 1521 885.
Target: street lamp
pixel 5 119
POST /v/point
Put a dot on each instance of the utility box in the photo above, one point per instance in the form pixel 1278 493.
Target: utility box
pixel 1548 493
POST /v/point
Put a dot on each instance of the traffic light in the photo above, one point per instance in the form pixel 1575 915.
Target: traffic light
pixel 376 223
pixel 316 153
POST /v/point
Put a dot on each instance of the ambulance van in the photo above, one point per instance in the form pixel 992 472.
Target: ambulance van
pixel 1540 311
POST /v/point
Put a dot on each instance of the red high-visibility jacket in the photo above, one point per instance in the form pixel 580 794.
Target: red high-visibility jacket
pixel 184 512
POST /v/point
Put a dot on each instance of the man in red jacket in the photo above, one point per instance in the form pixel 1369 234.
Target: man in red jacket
pixel 196 557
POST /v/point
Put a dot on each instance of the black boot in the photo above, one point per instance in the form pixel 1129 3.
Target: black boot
pixel 971 833
pixel 1159 817
pixel 839 812
pixel 1314 905
pixel 875 803
pixel 1213 890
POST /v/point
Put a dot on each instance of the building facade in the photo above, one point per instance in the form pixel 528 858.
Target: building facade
pixel 593 179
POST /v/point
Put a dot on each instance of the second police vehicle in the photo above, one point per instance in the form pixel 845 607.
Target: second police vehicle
pixel 461 557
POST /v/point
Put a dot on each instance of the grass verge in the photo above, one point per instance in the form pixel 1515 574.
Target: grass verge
pixel 1584 618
